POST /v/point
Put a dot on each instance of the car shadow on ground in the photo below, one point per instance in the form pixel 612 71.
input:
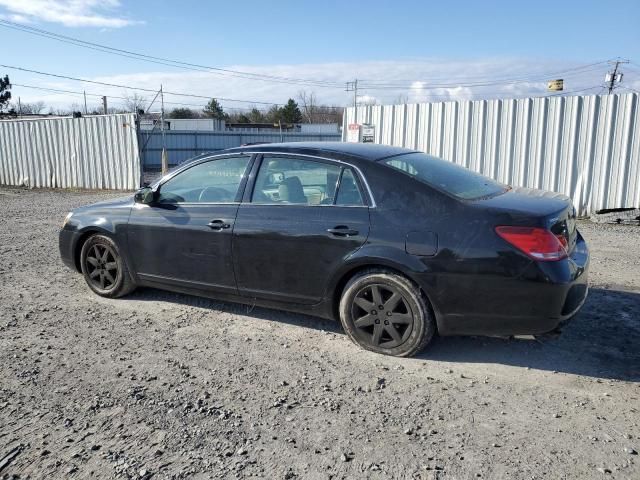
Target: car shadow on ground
pixel 602 341
pixel 259 313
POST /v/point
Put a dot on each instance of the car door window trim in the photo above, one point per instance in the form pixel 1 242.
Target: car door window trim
pixel 241 186
pixel 360 178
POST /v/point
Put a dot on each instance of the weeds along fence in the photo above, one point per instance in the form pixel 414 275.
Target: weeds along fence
pixel 93 152
pixel 586 147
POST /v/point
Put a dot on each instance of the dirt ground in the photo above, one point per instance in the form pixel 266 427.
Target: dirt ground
pixel 160 385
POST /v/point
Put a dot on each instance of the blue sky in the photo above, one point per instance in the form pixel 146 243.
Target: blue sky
pixel 406 42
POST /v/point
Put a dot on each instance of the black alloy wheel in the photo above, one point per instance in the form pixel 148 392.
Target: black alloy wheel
pixel 382 316
pixel 103 268
pixel 387 313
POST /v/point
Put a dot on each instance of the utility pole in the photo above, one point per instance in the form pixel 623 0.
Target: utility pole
pixel 19 108
pixel 104 104
pixel 353 87
pixel 164 159
pixel 85 101
pixel 614 77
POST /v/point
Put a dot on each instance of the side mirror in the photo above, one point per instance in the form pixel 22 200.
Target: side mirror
pixel 145 195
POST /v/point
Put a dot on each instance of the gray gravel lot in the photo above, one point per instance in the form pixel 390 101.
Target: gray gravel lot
pixel 170 386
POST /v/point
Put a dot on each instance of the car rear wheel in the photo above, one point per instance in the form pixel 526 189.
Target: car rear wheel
pixel 386 313
pixel 104 269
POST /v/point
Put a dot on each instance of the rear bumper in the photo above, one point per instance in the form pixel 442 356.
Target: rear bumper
pixel 542 297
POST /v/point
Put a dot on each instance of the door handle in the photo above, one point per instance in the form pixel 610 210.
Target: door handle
pixel 218 225
pixel 342 231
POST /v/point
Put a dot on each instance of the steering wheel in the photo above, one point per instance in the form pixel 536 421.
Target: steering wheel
pixel 218 194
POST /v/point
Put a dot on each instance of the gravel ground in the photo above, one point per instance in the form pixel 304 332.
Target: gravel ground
pixel 170 386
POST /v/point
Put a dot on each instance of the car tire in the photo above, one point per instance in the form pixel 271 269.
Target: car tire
pixel 386 313
pixel 104 269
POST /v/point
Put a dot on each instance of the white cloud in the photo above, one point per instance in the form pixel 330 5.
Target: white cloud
pixel 71 13
pixel 413 81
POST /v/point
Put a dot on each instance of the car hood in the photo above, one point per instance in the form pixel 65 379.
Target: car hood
pixel 122 202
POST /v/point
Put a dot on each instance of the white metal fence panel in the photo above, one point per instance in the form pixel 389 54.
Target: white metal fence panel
pixel 586 147
pixel 97 152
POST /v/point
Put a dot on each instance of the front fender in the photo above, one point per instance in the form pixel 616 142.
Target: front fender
pixel 85 223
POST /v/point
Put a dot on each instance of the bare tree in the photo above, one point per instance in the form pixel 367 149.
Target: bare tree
pixel 34 108
pixel 135 102
pixel 308 104
pixel 313 112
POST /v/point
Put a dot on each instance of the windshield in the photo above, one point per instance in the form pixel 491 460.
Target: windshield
pixel 446 176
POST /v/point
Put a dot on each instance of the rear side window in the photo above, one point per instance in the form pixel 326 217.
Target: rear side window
pixel 446 176
pixel 348 191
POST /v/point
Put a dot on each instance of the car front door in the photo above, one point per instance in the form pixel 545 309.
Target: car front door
pixel 184 236
pixel 303 218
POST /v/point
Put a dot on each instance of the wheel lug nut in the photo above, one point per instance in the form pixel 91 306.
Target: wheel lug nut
pixel 380 307
pixel 377 321
pixel 374 312
pixel 386 322
pixel 388 314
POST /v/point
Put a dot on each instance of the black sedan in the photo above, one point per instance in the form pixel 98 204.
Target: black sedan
pixel 396 244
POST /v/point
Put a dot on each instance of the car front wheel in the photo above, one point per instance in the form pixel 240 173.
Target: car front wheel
pixel 103 267
pixel 386 313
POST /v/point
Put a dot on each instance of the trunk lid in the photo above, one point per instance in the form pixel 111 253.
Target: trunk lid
pixel 530 207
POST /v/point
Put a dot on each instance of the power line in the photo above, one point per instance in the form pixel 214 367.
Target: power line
pixel 630 89
pixel 482 81
pixel 501 95
pixel 371 84
pixel 99 95
pixel 432 86
pixel 165 61
pixel 141 89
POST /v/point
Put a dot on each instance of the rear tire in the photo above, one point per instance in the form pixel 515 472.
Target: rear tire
pixel 386 313
pixel 104 269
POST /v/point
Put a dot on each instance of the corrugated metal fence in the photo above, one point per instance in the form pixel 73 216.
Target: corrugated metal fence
pixel 98 152
pixel 587 147
pixel 182 145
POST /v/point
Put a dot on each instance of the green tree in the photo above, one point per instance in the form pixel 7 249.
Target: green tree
pixel 273 115
pixel 290 113
pixel 214 110
pixel 182 113
pixel 5 94
pixel 256 116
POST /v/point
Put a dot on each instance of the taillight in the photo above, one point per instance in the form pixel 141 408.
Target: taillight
pixel 538 243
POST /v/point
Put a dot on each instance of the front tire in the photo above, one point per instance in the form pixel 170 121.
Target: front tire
pixel 104 269
pixel 386 313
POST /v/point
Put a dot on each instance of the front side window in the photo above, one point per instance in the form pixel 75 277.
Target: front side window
pixel 216 181
pixel 446 176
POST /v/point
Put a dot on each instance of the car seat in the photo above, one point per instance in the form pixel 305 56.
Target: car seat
pixel 290 190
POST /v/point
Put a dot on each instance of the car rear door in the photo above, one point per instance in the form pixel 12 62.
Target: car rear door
pixel 184 237
pixel 300 221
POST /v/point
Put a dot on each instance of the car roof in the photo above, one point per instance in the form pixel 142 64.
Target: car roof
pixel 366 151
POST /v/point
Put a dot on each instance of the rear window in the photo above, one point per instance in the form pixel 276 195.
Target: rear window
pixel 446 176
